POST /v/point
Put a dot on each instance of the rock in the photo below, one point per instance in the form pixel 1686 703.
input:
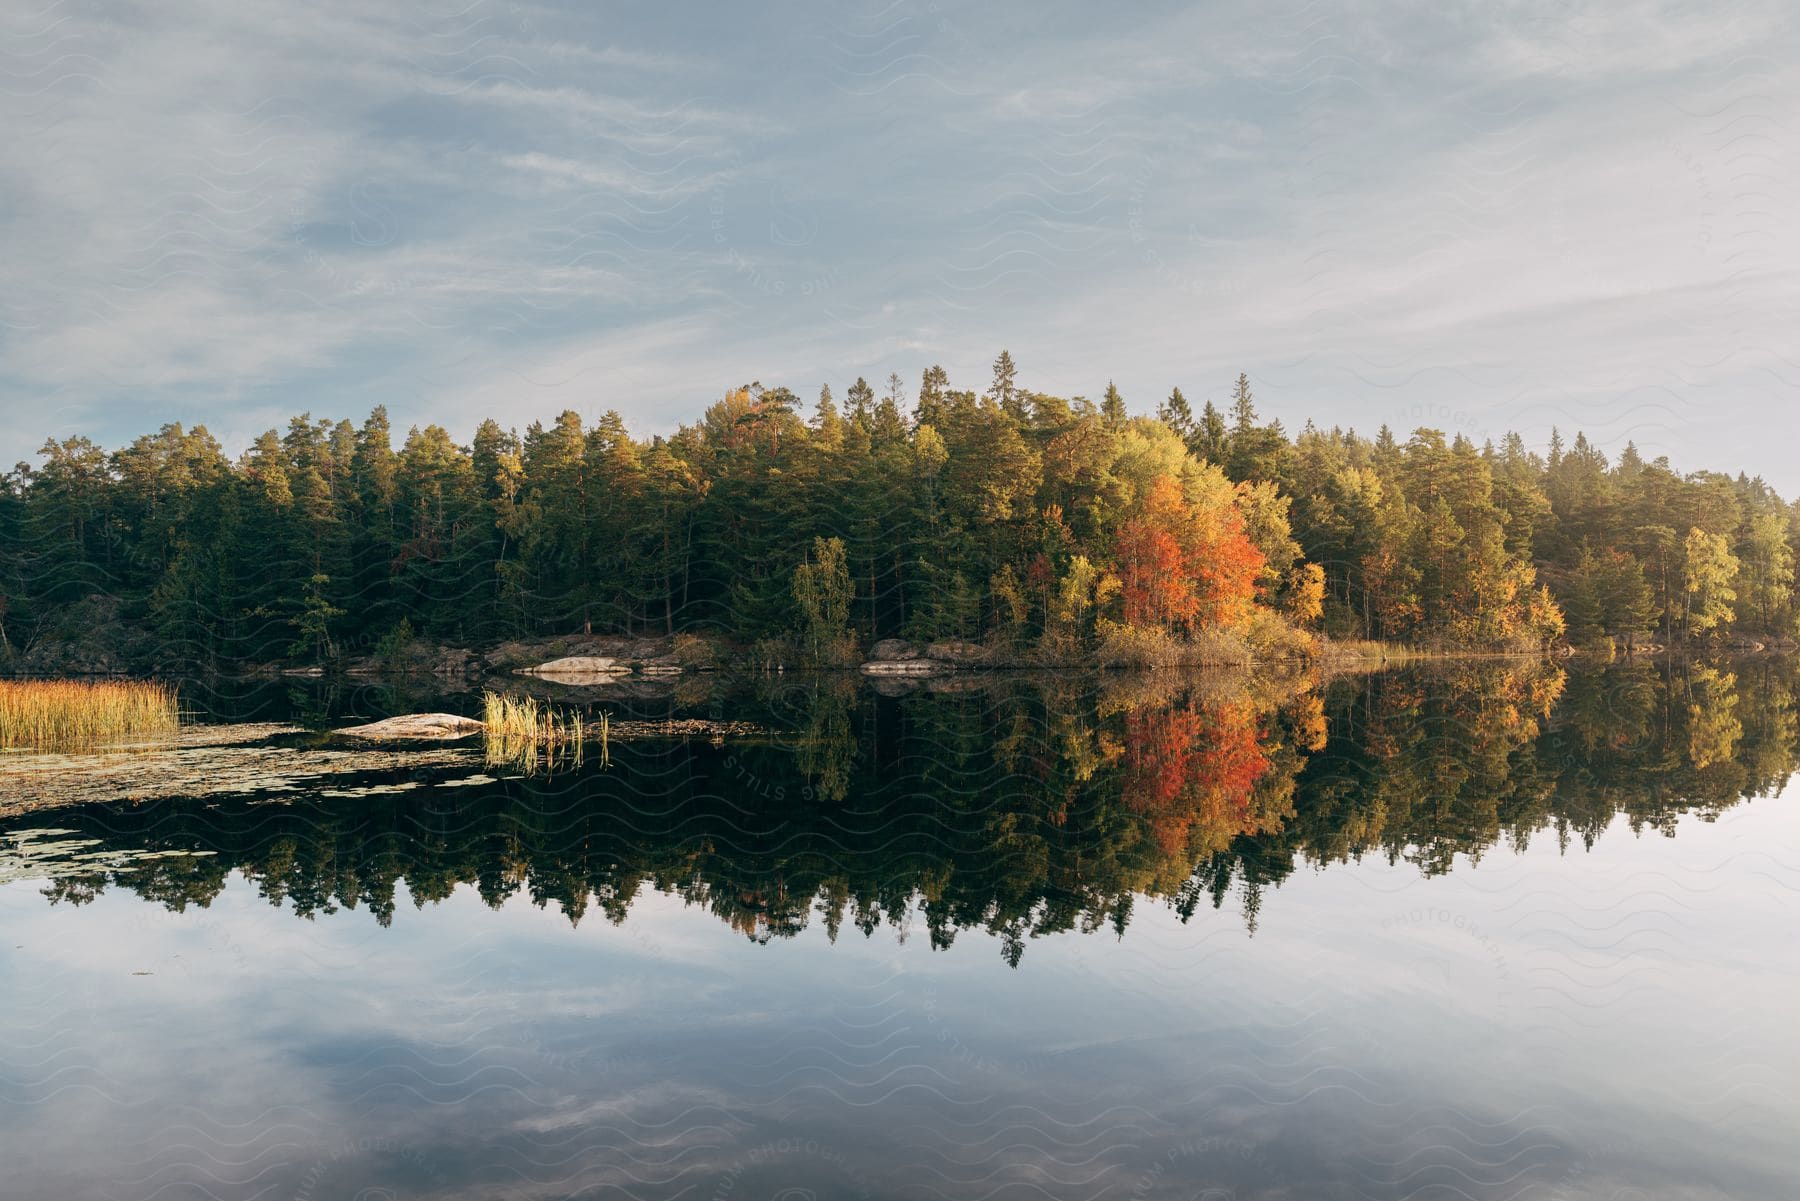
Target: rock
pixel 647 648
pixel 577 666
pixel 417 658
pixel 451 661
pixel 957 650
pixel 902 667
pixel 893 650
pixel 87 637
pixel 418 727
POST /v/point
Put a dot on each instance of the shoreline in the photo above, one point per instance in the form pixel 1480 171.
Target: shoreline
pixel 1329 659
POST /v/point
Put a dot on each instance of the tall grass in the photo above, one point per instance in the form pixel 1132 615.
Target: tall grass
pixel 524 734
pixel 77 714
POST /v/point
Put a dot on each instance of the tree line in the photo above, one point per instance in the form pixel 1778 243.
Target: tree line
pixel 1048 526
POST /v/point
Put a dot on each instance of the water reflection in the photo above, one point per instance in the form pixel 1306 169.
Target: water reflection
pixel 643 980
pixel 1017 807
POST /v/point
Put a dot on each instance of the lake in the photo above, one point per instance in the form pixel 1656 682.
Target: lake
pixel 1479 930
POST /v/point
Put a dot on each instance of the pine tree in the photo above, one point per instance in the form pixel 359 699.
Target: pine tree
pixel 1176 414
pixel 827 425
pixel 934 395
pixel 1112 406
pixel 1004 391
pixel 1211 441
pixel 862 403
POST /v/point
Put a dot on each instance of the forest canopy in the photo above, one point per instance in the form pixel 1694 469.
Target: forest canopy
pixel 1059 527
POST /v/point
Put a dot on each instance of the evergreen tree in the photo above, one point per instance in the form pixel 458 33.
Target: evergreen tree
pixel 1004 391
pixel 1112 406
pixel 1175 413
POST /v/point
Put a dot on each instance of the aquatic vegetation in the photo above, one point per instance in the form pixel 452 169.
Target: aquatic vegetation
pixel 523 733
pixel 76 714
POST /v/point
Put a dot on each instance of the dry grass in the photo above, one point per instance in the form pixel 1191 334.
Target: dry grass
pixel 525 734
pixel 1152 647
pixel 78 714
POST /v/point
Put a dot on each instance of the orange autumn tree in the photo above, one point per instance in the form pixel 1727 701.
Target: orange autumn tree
pixel 1184 557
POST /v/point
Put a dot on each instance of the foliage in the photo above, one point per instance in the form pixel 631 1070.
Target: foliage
pixel 1010 516
pixel 822 593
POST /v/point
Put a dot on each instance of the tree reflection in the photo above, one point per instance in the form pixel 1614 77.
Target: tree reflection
pixel 1017 807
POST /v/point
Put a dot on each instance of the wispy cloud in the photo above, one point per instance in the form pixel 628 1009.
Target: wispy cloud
pixel 1485 217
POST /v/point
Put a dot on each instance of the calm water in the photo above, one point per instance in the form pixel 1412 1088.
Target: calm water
pixel 1499 931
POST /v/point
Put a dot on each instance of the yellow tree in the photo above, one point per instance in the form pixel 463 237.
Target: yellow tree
pixel 1709 570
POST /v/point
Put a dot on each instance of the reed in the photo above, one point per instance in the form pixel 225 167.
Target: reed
pixel 77 714
pixel 525 734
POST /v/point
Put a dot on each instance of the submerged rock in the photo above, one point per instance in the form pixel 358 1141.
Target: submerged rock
pixel 421 727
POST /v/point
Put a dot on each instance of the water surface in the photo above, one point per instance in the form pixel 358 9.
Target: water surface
pixel 1489 931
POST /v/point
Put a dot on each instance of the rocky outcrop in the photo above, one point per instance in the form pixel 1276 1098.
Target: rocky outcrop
pixel 85 637
pixel 578 667
pixel 903 667
pixel 572 659
pixel 419 658
pixel 598 659
pixel 417 727
pixel 898 657
pixel 959 651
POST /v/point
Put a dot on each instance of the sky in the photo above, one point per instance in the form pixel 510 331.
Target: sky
pixel 1476 217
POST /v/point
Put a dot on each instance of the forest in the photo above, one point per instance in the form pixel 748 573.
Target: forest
pixel 1054 529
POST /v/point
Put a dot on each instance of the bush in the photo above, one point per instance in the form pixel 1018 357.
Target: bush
pixel 691 650
pixel 1135 646
pixel 767 654
pixel 1271 636
pixel 392 646
pixel 1218 648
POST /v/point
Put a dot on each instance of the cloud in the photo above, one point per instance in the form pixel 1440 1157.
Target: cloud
pixel 1522 216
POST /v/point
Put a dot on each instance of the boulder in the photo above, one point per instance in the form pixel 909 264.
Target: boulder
pixel 957 650
pixel 890 650
pixel 577 667
pixel 902 667
pixel 418 727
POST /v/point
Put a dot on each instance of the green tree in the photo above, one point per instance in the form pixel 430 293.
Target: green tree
pixel 822 595
pixel 1765 580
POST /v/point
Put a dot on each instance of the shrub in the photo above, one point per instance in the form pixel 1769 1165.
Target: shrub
pixel 1124 645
